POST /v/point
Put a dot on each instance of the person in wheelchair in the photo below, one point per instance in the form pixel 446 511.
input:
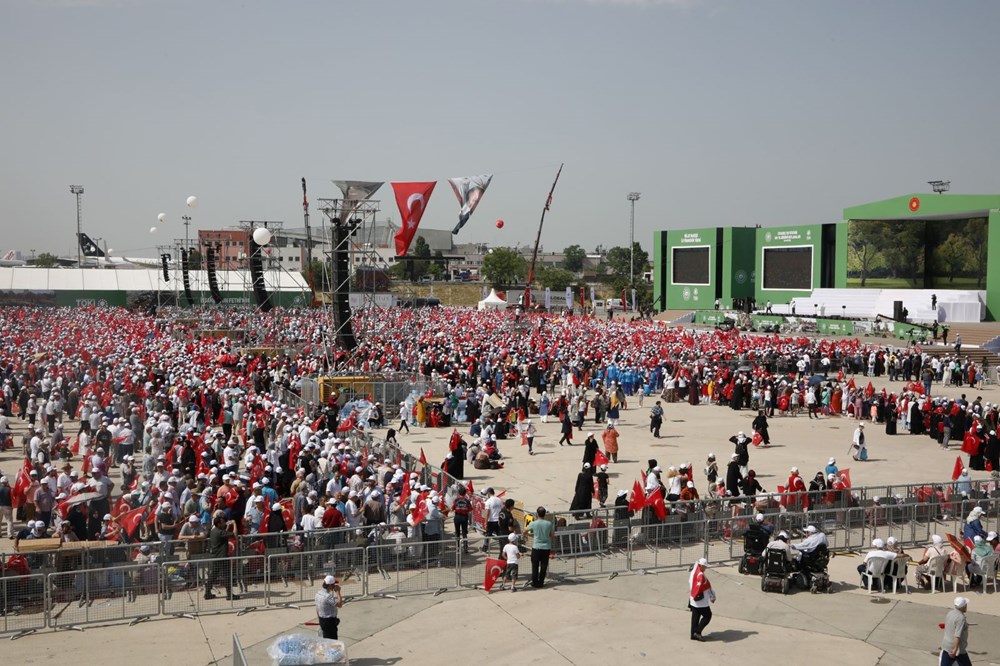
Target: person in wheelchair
pixel 780 543
pixel 754 542
pixel 814 552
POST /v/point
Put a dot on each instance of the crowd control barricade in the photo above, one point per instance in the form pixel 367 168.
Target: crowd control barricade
pixel 89 596
pixel 413 566
pixel 295 578
pixel 585 552
pixel 23 604
pixel 185 584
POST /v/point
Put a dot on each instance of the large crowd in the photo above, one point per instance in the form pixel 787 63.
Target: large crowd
pixel 145 428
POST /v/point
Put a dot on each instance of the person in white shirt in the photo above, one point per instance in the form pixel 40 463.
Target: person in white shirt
pixel 878 551
pixel 512 554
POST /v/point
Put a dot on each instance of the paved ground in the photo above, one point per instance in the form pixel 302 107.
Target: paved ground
pixel 634 617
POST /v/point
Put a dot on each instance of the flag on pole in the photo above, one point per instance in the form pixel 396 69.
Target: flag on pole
pixel 423 458
pixel 411 199
pixel 957 470
pixel 638 500
pixel 655 500
pixel 600 458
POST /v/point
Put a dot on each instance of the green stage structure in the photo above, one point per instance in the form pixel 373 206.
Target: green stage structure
pixel 694 267
pixel 923 241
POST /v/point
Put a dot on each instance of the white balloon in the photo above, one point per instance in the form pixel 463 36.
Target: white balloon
pixel 192 202
pixel 152 230
pixel 261 236
pixel 161 217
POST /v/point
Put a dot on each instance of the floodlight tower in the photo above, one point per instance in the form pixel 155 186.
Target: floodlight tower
pixel 78 191
pixel 632 197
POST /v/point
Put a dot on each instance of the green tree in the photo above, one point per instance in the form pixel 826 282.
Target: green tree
pixel 320 277
pixel 976 232
pixel 46 260
pixel 503 267
pixel 618 262
pixel 422 255
pixel 556 279
pixel 904 253
pixel 573 258
pixel 194 260
pixel 953 255
pixel 865 240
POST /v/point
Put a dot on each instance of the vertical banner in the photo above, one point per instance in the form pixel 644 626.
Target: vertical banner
pixel 469 191
pixel 548 298
pixel 569 297
pixel 593 298
pixel 624 300
pixel 633 300
pixel 583 298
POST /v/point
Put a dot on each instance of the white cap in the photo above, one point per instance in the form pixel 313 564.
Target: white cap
pixel 961 602
pixel 759 517
pixel 991 536
pixel 657 469
pixel 811 529
pixel 511 537
pixel 831 461
pixel 329 580
pixel 794 470
pixel 702 561
pixel 878 543
pixel 740 434
pixel 937 540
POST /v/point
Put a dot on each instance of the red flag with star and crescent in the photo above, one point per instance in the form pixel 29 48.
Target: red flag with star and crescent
pixel 494 569
pixel 411 199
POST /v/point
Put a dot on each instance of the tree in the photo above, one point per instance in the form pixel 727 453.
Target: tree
pixel 421 255
pixel 618 262
pixel 556 279
pixel 953 254
pixel 573 258
pixel 865 239
pixel 46 260
pixel 976 231
pixel 904 252
pixel 320 277
pixel 503 267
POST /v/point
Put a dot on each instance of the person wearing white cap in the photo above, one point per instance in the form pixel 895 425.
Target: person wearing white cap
pixel 858 443
pixel 512 555
pixel 329 600
pixel 700 599
pixel 831 468
pixel 878 552
pixel 742 450
pixel 810 546
pixel 955 642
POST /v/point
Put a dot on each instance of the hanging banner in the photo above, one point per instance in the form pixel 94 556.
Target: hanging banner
pixel 569 297
pixel 548 298
pixel 485 292
pixel 355 192
pixel 469 191
pixel 411 199
pixel 633 300
pixel 583 299
pixel 593 298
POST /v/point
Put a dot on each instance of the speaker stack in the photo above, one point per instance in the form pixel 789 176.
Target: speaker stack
pixel 257 276
pixel 213 281
pixel 342 286
pixel 186 275
pixel 165 260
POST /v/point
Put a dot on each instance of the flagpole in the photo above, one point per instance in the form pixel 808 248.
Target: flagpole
pixel 538 240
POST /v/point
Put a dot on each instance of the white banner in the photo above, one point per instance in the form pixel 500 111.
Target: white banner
pixel 569 297
pixel 548 298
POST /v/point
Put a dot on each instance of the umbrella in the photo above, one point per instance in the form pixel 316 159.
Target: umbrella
pixel 817 379
pixel 958 546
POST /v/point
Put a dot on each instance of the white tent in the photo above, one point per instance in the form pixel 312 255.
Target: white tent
pixel 492 302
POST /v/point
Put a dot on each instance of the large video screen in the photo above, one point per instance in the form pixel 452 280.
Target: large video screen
pixel 917 254
pixel 690 265
pixel 789 268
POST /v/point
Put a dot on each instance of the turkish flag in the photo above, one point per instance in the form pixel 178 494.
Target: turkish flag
pixel 845 476
pixel 597 493
pixel 21 484
pixel 130 520
pixel 404 493
pixel 957 471
pixel 970 444
pixel 469 489
pixel 411 199
pixel 600 459
pixel 494 569
pixel 638 500
pixel 851 385
pixel 455 441
pixel 257 469
pixel 699 583
pixel 757 438
pixel 420 511
pixel 75 446
pixel 655 500
pixel 869 390
pixel 423 458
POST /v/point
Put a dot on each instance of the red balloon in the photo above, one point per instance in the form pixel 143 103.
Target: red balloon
pixel 499 224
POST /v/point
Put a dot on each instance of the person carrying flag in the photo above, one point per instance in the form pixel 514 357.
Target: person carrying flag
pixel 700 600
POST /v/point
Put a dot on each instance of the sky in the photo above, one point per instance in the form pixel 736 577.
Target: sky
pixel 719 112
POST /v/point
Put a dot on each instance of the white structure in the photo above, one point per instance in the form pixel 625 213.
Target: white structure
pixel 492 302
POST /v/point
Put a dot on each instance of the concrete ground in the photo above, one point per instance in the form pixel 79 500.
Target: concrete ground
pixel 641 618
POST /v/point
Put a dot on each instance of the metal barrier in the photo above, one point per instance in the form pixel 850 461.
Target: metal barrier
pixel 239 657
pixel 23 606
pixel 236 584
pixel 90 596
pixel 416 566
pixel 294 578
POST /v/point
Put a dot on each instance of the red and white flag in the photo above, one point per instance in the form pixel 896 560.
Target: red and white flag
pixel 957 469
pixel 638 500
pixel 655 500
pixel 600 458
pixel 699 583
pixel 21 484
pixel 494 569
pixel 411 199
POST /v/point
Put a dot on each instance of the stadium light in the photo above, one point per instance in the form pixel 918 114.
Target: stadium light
pixel 940 186
pixel 633 197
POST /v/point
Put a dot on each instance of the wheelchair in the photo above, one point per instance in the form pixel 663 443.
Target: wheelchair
pixel 754 543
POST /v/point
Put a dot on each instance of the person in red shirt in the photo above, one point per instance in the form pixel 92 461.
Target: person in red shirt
pixel 796 485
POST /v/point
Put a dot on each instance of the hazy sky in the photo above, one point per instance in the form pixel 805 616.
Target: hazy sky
pixel 720 112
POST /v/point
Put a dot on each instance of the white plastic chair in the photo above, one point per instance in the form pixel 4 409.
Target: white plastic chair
pixel 936 569
pixel 989 567
pixel 875 570
pixel 897 571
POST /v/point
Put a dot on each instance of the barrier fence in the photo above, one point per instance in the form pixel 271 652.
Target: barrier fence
pixel 396 564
